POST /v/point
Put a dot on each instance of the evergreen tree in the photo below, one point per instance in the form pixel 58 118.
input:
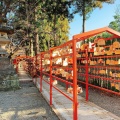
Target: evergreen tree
pixel 85 7
pixel 116 23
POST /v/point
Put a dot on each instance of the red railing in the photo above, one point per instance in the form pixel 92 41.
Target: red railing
pixel 83 65
pixel 46 69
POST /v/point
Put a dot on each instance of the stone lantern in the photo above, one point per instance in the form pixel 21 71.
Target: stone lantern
pixel 8 76
pixel 4 40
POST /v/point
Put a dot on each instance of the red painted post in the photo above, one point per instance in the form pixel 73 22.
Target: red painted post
pixel 41 72
pixel 75 102
pixel 86 66
pixel 51 77
pixel 32 69
pixel 36 70
pixel 17 66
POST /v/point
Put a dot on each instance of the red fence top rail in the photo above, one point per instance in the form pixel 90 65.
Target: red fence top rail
pixel 95 32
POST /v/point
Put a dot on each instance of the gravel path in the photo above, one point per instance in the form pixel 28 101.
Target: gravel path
pixel 28 104
pixel 25 104
pixel 109 102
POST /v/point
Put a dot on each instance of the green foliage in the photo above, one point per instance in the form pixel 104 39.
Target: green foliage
pixel 55 7
pixel 48 19
pixel 46 34
pixel 109 85
pixel 116 23
pixel 52 23
pixel 85 8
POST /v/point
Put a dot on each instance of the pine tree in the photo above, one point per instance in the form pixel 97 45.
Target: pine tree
pixel 85 8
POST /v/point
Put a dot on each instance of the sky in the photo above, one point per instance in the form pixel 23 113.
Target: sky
pixel 98 19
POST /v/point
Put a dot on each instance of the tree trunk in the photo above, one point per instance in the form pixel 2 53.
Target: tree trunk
pixel 54 32
pixel 36 43
pixel 36 36
pixel 84 17
pixel 31 47
pixel 27 17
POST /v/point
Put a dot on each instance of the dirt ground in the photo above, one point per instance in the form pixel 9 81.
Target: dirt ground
pixel 106 101
pixel 25 104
